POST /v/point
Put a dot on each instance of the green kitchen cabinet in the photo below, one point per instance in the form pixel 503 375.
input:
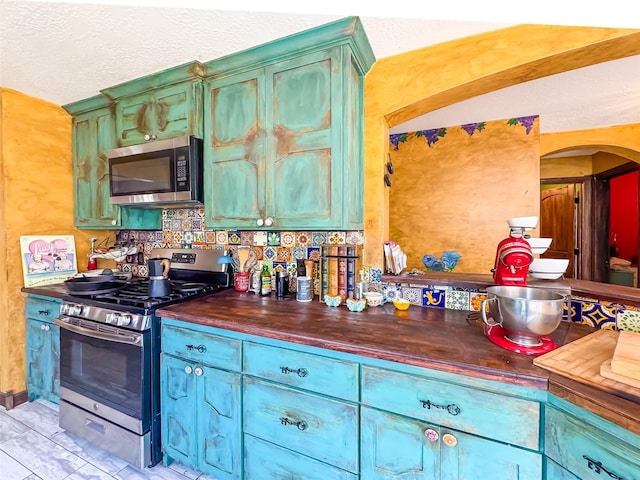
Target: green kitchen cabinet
pixel 283 132
pixel 588 446
pixel 93 137
pixel 201 403
pixel 163 105
pixel 43 348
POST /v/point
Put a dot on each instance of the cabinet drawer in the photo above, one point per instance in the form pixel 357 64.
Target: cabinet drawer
pixel 587 452
pixel 311 372
pixel 202 347
pixel 41 309
pixel 467 409
pixel 266 461
pixel 316 426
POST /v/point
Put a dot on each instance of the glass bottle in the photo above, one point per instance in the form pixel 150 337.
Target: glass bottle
pixel 265 281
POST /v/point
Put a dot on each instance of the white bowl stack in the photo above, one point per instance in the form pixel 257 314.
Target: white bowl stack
pixel 548 268
pixel 539 245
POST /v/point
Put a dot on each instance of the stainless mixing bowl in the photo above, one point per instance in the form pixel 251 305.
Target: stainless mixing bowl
pixel 526 314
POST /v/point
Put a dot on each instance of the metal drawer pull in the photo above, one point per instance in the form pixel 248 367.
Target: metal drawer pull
pixel 199 348
pixel 302 425
pixel 44 312
pixel 301 372
pixel 452 408
pixel 92 424
pixel 597 467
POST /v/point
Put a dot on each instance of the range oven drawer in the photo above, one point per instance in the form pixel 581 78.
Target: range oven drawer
pixel 130 447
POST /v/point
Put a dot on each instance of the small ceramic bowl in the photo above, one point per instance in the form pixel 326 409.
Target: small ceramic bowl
pixel 356 305
pixel 401 303
pixel 373 298
pixel 333 301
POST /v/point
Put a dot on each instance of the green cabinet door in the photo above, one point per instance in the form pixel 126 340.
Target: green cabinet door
pixel 201 418
pixel 400 448
pixel 43 360
pixel 93 137
pixel 160 114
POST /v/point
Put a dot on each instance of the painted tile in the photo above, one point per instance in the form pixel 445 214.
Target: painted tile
pixel 221 237
pixel 45 458
pixel 192 213
pixel 246 238
pixel 287 239
pixel 354 237
pixel 318 238
pixel 270 253
pixel 414 295
pixel 303 239
pixel 197 224
pixel 198 237
pixel 299 253
pixel 576 311
pixel 169 213
pixel 188 238
pixel 273 239
pixel 391 292
pixel 279 267
pixel 234 237
pixel 336 238
pixel 283 254
pixel 595 315
pixel 475 300
pixel 457 300
pixel 432 297
pixel 167 236
pixel 181 213
pixel 313 253
pixel 375 274
pixel 210 236
pixel 260 239
pixel 628 320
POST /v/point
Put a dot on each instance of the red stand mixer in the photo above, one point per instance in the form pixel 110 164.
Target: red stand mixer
pixel 511 267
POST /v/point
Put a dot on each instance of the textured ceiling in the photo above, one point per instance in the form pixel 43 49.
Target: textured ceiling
pixel 63 52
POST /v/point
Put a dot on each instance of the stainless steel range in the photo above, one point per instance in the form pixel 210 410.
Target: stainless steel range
pixel 110 356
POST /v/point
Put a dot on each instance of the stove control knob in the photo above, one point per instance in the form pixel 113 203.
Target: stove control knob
pixel 111 318
pixel 124 319
pixel 75 310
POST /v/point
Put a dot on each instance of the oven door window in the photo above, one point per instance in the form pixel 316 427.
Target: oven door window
pixel 111 373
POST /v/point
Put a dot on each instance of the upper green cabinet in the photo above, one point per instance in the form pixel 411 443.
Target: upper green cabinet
pixel 93 137
pixel 163 105
pixel 283 132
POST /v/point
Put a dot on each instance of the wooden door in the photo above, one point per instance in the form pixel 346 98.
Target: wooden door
pixel 558 220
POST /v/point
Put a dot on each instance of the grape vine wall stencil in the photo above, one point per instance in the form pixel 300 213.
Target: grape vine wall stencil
pixel 432 136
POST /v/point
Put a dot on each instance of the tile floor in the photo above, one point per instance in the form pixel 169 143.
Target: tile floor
pixel 34 447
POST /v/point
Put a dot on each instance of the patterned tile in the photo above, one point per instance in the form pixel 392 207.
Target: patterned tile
pixel 234 237
pixel 475 300
pixel 413 294
pixel 197 224
pixel 210 236
pixel 336 238
pixel 221 237
pixel 597 315
pixel 246 238
pixel 628 320
pixel 318 238
pixel 355 237
pixel 313 253
pixel 270 253
pixel 284 254
pixel 433 297
pixel 299 253
pixel 575 314
pixel 391 292
pixel 303 239
pixel 287 239
pixel 260 239
pixel 273 239
pixel 181 213
pixel 457 300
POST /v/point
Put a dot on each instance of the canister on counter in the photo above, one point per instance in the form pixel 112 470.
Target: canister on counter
pixel 282 284
pixel 304 292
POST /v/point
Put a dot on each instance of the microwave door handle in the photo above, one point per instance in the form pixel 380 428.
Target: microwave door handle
pixel 87 332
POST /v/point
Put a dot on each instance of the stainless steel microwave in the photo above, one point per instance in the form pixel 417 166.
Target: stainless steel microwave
pixel 161 174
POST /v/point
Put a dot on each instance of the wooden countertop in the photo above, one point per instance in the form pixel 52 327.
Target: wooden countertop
pixel 425 337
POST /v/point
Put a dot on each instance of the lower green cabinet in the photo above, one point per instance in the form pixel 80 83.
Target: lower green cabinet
pixel 201 417
pixel 43 348
pixel 395 447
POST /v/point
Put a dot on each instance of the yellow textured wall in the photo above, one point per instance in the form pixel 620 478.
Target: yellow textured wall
pixel 565 167
pixel 459 193
pixel 402 87
pixel 37 199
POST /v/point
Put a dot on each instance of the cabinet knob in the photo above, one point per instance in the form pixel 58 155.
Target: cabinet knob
pixel 188 370
pixel 260 222
pixel 431 435
pixel 268 221
pixel 151 136
pixel 113 222
pixel 198 371
pixel 449 440
pixel 46 328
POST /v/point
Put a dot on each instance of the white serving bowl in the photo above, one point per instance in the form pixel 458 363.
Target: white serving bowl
pixel 539 245
pixel 373 298
pixel 548 268
pixel 523 222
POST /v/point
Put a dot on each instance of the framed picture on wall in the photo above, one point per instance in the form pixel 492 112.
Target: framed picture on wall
pixel 47 259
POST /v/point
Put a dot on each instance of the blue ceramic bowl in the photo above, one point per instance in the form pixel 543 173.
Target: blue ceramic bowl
pixel 356 305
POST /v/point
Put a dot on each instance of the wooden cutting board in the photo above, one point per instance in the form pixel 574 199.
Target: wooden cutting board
pixel 581 360
pixel 626 357
pixel 606 372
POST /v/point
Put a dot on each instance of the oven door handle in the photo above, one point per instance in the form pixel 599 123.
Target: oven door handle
pixel 87 332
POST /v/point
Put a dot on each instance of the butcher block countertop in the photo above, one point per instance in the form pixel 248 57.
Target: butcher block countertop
pixel 425 337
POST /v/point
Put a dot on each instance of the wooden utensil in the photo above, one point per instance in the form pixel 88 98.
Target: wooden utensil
pixel 605 371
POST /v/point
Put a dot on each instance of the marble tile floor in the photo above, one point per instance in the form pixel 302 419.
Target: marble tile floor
pixel 34 447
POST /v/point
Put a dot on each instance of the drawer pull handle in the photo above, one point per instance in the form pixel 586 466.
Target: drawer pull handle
pixel 597 467
pixel 452 408
pixel 199 348
pixel 44 312
pixel 301 372
pixel 302 425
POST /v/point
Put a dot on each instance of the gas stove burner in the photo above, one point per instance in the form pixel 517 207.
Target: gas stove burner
pixel 185 287
pixel 498 336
